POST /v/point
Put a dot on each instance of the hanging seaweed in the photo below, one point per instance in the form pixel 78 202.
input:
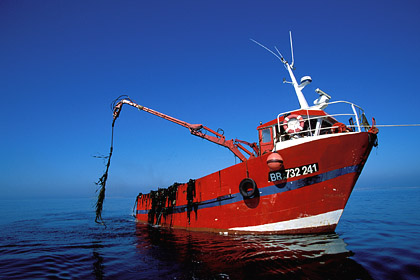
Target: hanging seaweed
pixel 135 204
pixel 102 180
pixel 163 202
pixel 102 183
pixel 171 196
pixel 152 213
pixel 190 198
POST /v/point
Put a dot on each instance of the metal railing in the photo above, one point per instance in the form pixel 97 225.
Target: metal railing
pixel 356 111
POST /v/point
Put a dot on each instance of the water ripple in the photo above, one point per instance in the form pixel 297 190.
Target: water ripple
pixel 61 241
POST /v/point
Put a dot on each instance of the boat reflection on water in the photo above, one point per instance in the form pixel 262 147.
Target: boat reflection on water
pixel 181 254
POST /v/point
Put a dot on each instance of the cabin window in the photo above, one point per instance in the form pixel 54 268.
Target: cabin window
pixel 266 135
pixel 325 127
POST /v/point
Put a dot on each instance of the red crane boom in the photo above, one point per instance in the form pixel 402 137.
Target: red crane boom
pixel 197 129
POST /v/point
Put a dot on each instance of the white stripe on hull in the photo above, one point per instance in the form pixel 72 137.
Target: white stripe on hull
pixel 325 219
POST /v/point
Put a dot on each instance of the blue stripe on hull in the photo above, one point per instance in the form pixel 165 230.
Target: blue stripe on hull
pixel 269 190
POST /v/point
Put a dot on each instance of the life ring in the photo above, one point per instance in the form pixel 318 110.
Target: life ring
pixel 248 188
pixel 293 123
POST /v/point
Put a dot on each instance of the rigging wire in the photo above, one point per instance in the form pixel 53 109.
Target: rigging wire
pixel 395 125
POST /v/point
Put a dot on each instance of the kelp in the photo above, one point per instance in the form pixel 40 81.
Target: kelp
pixel 190 198
pixel 101 189
pixel 163 202
pixel 135 203
pixel 102 182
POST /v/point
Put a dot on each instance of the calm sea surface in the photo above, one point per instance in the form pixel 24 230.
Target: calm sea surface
pixel 378 238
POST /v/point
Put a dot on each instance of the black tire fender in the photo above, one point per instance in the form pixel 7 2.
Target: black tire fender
pixel 248 188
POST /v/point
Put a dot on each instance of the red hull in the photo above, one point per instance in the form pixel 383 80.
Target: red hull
pixel 310 203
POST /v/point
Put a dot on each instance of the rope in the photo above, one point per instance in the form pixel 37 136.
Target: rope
pixel 396 125
pixel 386 125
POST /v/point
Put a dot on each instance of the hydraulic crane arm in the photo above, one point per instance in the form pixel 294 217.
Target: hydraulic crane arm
pixel 196 129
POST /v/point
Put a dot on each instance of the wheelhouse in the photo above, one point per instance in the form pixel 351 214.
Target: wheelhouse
pixel 307 125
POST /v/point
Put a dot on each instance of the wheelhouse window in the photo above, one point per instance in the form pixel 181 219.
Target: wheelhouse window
pixel 266 135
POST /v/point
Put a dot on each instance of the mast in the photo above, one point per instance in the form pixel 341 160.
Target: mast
pixel 298 87
pixel 304 81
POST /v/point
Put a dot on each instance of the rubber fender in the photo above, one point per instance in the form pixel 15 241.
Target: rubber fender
pixel 248 188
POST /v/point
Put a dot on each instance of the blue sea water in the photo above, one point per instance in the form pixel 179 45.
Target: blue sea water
pixel 378 237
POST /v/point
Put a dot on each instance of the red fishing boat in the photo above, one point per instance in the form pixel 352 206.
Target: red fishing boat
pixel 296 179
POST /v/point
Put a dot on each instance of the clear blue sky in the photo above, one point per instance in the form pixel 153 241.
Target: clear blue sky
pixel 63 62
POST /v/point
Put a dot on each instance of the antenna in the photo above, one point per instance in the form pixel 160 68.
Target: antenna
pixel 291 48
pixel 289 67
pixel 261 45
pixel 279 52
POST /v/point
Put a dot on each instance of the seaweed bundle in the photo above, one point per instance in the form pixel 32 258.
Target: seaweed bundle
pixel 102 183
pixel 163 203
pixel 102 180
